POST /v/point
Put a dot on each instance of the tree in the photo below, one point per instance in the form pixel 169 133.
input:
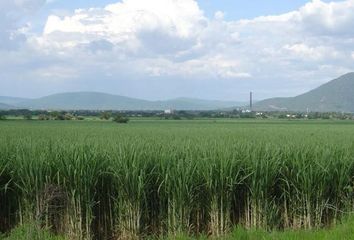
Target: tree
pixel 120 119
pixel 2 117
pixel 105 115
pixel 27 116
pixel 60 117
pixel 68 116
pixel 54 115
pixel 43 117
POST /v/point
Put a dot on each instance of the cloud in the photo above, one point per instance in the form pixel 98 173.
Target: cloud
pixel 154 26
pixel 11 11
pixel 316 18
pixel 328 19
pixel 172 45
pixel 315 53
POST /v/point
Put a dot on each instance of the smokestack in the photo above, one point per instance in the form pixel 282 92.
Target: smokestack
pixel 251 101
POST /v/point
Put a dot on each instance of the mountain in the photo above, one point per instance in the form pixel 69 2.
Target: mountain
pixel 84 101
pixel 196 104
pixel 334 96
pixel 103 101
pixel 4 106
pixel 11 100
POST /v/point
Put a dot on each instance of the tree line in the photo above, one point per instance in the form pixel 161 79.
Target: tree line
pixel 123 116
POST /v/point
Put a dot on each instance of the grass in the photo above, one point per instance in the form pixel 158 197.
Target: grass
pixel 100 180
pixel 343 231
pixel 30 232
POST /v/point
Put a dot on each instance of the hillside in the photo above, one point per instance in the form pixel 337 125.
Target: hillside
pixel 11 100
pixel 4 106
pixel 84 101
pixel 195 104
pixel 103 101
pixel 336 95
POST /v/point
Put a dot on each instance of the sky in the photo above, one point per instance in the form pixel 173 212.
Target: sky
pixel 163 49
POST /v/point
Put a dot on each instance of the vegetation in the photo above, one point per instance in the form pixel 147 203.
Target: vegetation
pixel 43 117
pixel 177 115
pixel 342 231
pixel 27 116
pixel 120 119
pixel 97 180
pixel 106 115
pixel 30 232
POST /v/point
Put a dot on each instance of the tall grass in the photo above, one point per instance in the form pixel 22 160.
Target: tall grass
pixel 101 181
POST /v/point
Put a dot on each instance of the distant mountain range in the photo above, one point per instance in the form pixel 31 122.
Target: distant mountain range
pixel 103 101
pixel 4 106
pixel 11 100
pixel 334 96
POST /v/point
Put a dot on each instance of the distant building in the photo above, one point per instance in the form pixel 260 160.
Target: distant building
pixel 169 111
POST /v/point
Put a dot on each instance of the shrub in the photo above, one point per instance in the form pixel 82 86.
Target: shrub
pixel 120 119
pixel 31 232
pixel 27 116
pixel 68 116
pixel 43 117
pixel 106 115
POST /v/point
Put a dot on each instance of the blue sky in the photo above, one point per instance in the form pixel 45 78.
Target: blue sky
pixel 234 9
pixel 161 49
pixel 239 9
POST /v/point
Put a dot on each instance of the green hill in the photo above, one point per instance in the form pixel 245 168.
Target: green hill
pixel 103 101
pixel 334 96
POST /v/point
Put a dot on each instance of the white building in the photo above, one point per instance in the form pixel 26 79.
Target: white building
pixel 168 111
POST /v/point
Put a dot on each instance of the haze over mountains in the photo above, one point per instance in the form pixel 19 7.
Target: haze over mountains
pixel 334 96
pixel 11 100
pixel 103 101
pixel 4 106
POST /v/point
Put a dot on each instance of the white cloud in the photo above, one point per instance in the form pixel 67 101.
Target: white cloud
pixel 219 15
pixel 132 24
pixel 315 53
pixel 317 18
pixel 328 18
pixel 11 11
pixel 175 31
pixel 173 44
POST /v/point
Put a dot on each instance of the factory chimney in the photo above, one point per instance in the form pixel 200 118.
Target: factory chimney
pixel 251 101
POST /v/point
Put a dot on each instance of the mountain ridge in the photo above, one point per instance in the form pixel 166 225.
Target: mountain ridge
pixel 4 106
pixel 334 96
pixel 11 100
pixel 104 101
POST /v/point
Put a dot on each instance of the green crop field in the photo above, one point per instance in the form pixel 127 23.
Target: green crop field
pixel 101 180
